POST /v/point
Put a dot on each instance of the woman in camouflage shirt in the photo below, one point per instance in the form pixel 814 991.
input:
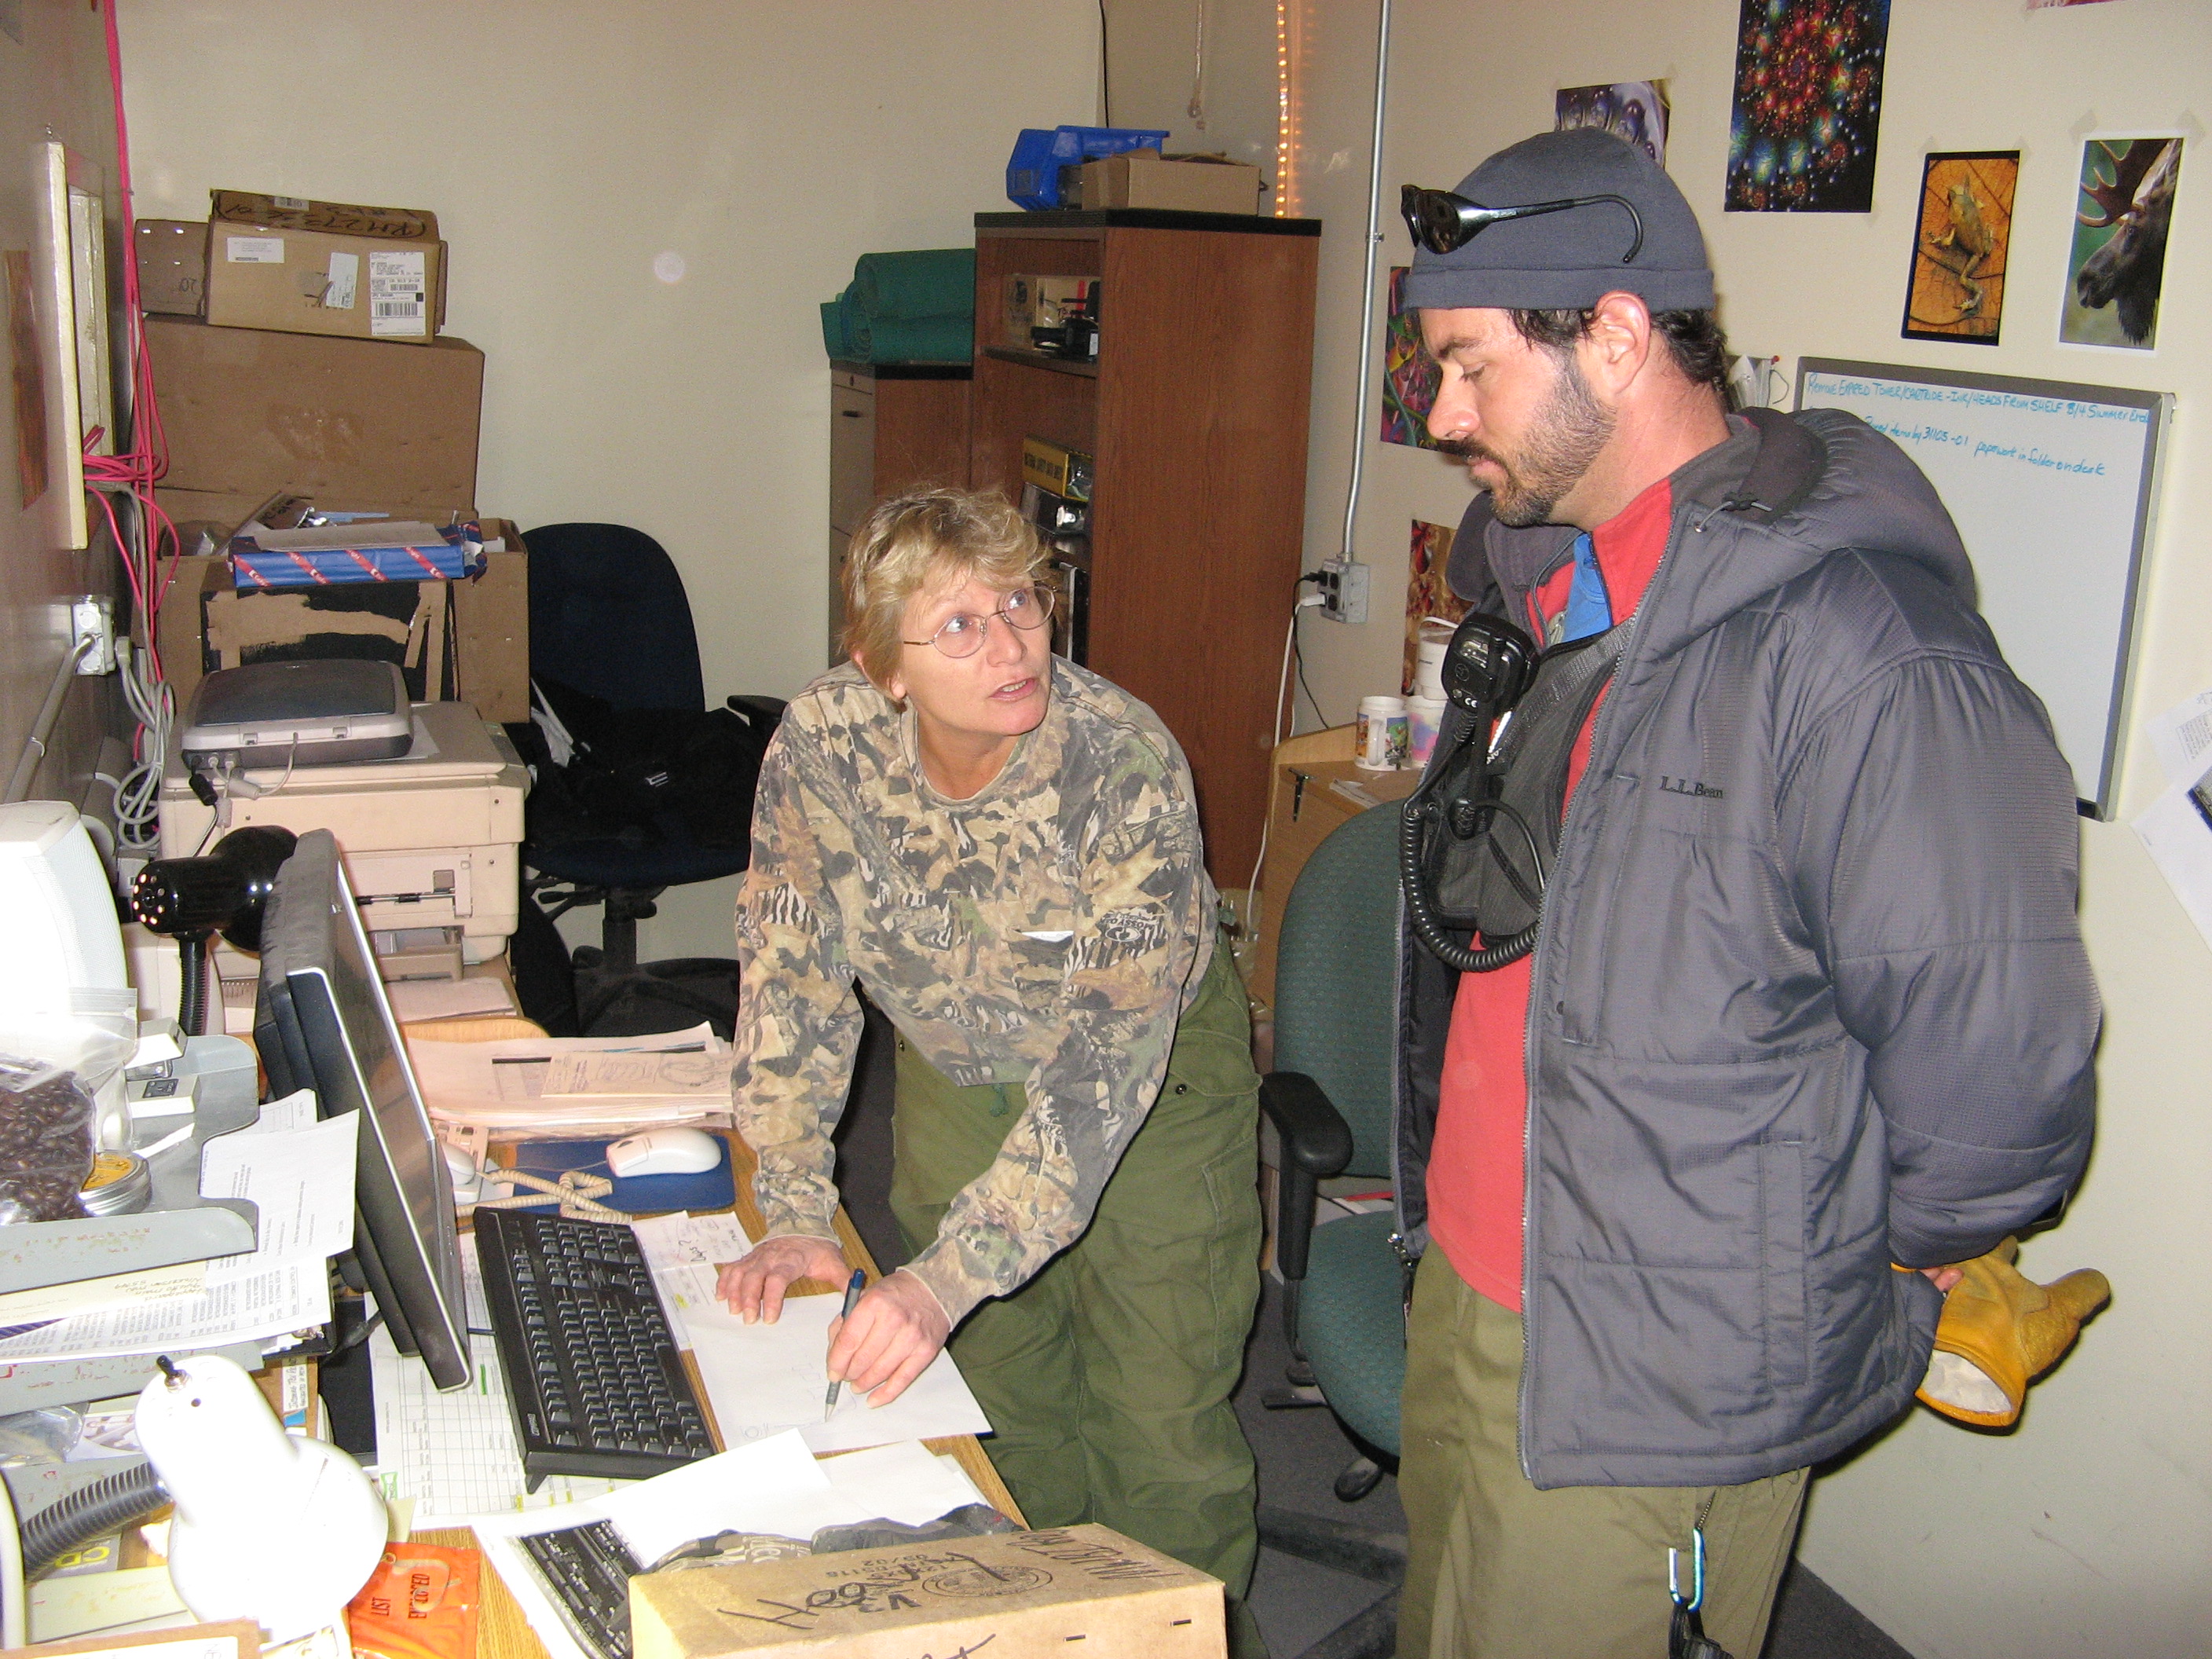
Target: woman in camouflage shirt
pixel 1003 849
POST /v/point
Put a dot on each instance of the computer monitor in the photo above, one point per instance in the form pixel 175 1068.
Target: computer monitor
pixel 323 1022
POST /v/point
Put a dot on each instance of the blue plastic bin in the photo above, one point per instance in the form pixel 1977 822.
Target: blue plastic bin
pixel 1033 170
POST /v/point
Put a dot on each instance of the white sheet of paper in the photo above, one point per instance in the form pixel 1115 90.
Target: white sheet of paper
pixel 302 1180
pixel 763 1379
pixel 2180 844
pixel 2183 737
pixel 702 1076
pixel 681 1251
pixel 902 1482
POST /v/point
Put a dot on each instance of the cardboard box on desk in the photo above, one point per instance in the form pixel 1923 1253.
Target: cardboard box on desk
pixel 309 267
pixel 249 412
pixel 467 639
pixel 1192 184
pixel 1027 1594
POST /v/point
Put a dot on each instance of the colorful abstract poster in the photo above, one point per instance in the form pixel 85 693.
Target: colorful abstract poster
pixel 1635 109
pixel 1427 593
pixel 2117 266
pixel 1409 373
pixel 1807 106
pixel 1961 244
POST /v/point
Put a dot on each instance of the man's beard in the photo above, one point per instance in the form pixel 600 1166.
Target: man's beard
pixel 1565 437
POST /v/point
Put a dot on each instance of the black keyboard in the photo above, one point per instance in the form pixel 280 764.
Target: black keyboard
pixel 593 1379
pixel 588 1570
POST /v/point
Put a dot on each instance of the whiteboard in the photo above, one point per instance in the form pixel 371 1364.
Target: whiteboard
pixel 2052 487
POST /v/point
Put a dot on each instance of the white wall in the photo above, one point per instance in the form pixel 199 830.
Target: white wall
pixel 2090 1529
pixel 564 147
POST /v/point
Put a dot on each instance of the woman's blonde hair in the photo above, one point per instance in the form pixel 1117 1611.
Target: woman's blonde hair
pixel 928 538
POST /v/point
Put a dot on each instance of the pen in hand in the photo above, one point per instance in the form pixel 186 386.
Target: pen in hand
pixel 853 1286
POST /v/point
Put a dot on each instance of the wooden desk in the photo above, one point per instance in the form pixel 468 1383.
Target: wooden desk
pixel 1302 808
pixel 503 1633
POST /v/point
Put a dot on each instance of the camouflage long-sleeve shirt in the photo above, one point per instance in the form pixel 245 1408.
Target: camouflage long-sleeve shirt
pixel 1048 932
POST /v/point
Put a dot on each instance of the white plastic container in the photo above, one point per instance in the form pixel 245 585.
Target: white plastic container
pixel 1434 636
pixel 1383 741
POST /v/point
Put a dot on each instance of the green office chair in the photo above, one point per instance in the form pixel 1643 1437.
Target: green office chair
pixel 1329 1099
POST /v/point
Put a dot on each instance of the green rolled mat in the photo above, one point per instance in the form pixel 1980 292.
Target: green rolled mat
pixel 920 339
pixel 839 336
pixel 930 283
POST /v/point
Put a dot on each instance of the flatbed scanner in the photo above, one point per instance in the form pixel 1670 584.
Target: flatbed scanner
pixel 428 839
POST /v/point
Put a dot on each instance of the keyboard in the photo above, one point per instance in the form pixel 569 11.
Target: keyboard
pixel 588 1570
pixel 593 1379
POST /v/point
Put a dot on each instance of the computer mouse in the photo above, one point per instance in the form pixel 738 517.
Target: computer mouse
pixel 664 1152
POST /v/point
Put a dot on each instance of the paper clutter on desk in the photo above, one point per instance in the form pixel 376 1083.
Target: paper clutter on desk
pixel 1026 1594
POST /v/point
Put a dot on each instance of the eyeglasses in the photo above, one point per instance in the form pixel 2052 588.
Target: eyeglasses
pixel 1441 221
pixel 962 634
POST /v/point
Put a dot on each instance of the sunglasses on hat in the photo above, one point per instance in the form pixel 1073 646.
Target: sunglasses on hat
pixel 1441 221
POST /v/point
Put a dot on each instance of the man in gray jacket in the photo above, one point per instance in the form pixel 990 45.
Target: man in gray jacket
pixel 1807 1017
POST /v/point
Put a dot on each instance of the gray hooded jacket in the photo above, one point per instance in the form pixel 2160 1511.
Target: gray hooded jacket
pixel 1808 996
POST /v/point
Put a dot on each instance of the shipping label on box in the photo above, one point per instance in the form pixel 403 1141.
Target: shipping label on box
pixel 309 267
pixel 1015 1595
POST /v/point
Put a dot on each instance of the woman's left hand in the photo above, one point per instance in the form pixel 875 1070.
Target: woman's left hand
pixel 894 1331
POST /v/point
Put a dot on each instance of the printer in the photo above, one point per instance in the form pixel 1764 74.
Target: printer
pixel 429 838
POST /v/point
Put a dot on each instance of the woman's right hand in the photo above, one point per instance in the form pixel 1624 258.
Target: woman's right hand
pixel 754 1287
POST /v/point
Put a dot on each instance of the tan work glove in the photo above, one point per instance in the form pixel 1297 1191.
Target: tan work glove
pixel 1999 1331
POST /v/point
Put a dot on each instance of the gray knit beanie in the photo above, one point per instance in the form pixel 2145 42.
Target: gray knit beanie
pixel 1569 260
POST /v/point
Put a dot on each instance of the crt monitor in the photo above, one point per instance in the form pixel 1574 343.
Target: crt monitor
pixel 323 1022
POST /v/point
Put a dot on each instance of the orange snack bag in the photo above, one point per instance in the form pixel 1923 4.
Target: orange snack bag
pixel 419 1603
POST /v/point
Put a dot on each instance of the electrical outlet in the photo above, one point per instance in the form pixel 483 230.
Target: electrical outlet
pixel 93 616
pixel 1343 585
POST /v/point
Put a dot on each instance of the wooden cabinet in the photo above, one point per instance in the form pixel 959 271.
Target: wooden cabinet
pixel 1195 417
pixel 892 427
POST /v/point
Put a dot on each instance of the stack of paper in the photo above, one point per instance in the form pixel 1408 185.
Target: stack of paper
pixel 300 1173
pixel 611 1083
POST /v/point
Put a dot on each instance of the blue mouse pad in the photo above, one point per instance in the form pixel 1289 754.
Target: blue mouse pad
pixel 709 1189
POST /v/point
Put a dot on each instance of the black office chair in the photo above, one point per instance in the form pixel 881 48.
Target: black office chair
pixel 611 643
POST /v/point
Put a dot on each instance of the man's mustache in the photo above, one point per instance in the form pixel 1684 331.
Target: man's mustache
pixel 1465 449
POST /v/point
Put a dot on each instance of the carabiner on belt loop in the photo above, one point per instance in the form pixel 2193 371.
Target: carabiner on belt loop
pixel 1698 1573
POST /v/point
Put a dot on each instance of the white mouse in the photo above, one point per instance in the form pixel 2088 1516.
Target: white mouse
pixel 665 1152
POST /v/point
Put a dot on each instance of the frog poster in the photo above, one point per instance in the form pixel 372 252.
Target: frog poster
pixel 1960 244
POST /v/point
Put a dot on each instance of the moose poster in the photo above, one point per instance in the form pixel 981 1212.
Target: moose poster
pixel 2123 204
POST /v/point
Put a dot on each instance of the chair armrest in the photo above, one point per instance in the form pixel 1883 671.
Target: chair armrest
pixel 1316 1144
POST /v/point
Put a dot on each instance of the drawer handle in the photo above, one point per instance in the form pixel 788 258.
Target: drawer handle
pixel 850 414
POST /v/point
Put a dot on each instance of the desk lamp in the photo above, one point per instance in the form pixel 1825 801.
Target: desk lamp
pixel 270 1527
pixel 192 900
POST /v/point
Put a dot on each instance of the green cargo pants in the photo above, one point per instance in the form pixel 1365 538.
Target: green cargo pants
pixel 1107 1376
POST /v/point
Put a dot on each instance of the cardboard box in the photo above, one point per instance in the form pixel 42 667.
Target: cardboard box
pixel 1028 1595
pixel 172 255
pixel 1193 184
pixel 469 639
pixel 309 267
pixel 249 412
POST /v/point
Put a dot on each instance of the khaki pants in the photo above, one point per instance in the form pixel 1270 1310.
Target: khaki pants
pixel 1497 1567
pixel 1107 1376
